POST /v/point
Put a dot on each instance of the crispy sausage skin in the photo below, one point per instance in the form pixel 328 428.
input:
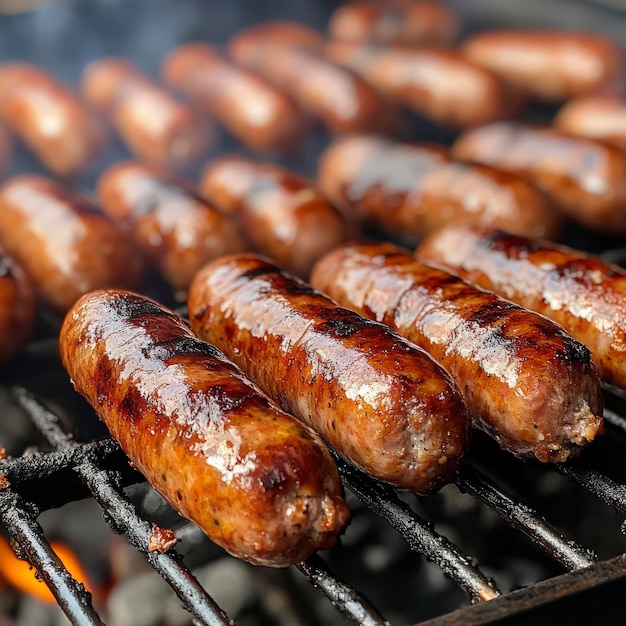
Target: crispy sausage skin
pixel 380 401
pixel 254 479
pixel 64 243
pixel 152 123
pixel 441 85
pixel 177 230
pixel 410 190
pixel 547 64
pixel 400 22
pixel 62 132
pixel 256 113
pixel 579 291
pixel 282 214
pixel 584 177
pixel 527 382
pixel 17 308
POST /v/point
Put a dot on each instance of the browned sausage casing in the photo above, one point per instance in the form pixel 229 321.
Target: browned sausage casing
pixel 441 85
pixel 257 114
pixel 17 308
pixel 581 292
pixel 584 177
pixel 64 243
pixel 282 214
pixel 400 22
pixel 380 401
pixel 152 123
pixel 254 479
pixel 547 64
pixel 410 190
pixel 62 132
pixel 176 229
pixel 526 381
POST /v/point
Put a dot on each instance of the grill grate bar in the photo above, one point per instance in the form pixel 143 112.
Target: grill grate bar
pixel 418 533
pixel 569 553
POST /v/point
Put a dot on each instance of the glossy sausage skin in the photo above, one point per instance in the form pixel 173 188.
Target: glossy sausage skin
pixel 257 114
pixel 547 65
pixel 410 190
pixel 526 381
pixel 63 133
pixel 255 480
pixel 441 85
pixel 282 214
pixel 176 229
pixel 63 242
pixel 579 291
pixel 152 123
pixel 400 22
pixel 380 401
pixel 17 308
pixel 584 177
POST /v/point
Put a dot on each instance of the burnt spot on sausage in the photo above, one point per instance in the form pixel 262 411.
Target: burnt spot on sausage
pixel 183 346
pixel 272 479
pixel 338 328
pixel 133 306
pixel 133 405
pixel 492 314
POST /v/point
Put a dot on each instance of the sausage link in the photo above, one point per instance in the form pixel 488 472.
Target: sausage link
pixel 257 114
pixel 64 243
pixel 441 85
pixel 547 64
pixel 255 480
pixel 410 190
pixel 17 308
pixel 177 230
pixel 152 123
pixel 381 402
pixel 400 22
pixel 584 177
pixel 63 133
pixel 579 291
pixel 527 382
pixel 282 214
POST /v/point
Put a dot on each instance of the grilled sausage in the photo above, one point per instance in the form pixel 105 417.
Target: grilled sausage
pixel 410 190
pixel 441 85
pixel 64 243
pixel 282 214
pixel 380 401
pixel 257 114
pixel 17 308
pixel 584 177
pixel 579 291
pixel 400 22
pixel 255 480
pixel 526 381
pixel 547 64
pixel 177 230
pixel 152 123
pixel 62 132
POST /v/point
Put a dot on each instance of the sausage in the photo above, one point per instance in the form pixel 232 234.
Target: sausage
pixel 441 85
pixel 257 114
pixel 526 381
pixel 17 308
pixel 341 99
pixel 378 400
pixel 410 190
pixel 400 22
pixel 282 214
pixel 177 230
pixel 64 134
pixel 549 65
pixel 584 177
pixel 152 123
pixel 579 291
pixel 255 480
pixel 63 242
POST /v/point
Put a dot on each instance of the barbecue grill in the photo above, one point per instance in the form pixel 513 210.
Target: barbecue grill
pixel 553 531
